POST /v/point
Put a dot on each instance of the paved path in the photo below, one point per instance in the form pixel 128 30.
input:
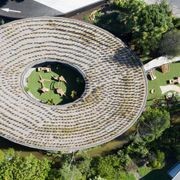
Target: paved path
pixel 165 89
pixel 159 62
pixel 174 4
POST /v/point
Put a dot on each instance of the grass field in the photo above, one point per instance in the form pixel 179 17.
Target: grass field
pixel 161 80
pixel 75 82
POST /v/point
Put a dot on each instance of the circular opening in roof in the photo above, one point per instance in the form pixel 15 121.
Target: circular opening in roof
pixel 54 83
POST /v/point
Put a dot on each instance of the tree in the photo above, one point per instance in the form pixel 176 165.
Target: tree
pixel 176 149
pixel 152 22
pixel 120 18
pixel 67 172
pixel 170 43
pixel 107 167
pixel 23 168
pixel 84 165
pixel 139 24
pixel 2 156
pixel 158 159
pixel 139 148
pixel 152 124
pixel 176 22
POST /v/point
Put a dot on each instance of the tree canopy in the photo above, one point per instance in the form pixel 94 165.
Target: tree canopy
pixel 139 24
pixel 22 168
pixel 170 43
pixel 152 124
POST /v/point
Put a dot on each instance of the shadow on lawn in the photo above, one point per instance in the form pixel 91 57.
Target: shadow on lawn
pixel 160 174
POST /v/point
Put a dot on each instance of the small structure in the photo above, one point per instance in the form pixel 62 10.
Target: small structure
pixel 152 91
pixel 152 75
pixel 170 81
pixel 174 172
pixel 44 89
pixel 176 80
pixel 165 68
pixel 60 92
pixel 59 78
pixel 45 69
pixel 42 80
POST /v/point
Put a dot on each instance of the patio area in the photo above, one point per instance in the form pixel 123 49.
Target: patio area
pixel 161 83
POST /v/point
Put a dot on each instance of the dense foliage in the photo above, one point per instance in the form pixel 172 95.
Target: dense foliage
pixel 170 43
pixel 139 24
pixel 142 26
pixel 152 124
pixel 14 167
pixel 144 148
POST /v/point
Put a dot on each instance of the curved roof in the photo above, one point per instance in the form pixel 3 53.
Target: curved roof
pixel 114 97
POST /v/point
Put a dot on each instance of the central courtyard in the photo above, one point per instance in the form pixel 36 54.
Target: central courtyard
pixel 54 83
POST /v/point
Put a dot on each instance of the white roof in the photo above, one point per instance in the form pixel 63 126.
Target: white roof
pixel 174 172
pixel 66 6
pixel 177 177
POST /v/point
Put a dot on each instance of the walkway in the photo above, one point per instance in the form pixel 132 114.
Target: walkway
pixel 159 62
pixel 167 88
pixel 36 8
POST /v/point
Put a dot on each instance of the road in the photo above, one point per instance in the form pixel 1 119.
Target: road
pixel 35 8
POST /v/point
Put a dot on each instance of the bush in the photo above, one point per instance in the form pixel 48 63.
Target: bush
pixel 27 168
pixel 176 23
pixel 159 160
pixel 152 124
pixel 152 22
pixel 170 43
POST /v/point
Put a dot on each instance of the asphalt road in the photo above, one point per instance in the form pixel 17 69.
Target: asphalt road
pixel 26 8
pixel 33 8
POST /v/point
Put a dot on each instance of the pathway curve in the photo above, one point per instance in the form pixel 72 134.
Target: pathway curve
pixel 159 62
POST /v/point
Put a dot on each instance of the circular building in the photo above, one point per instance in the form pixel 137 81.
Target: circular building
pixel 114 92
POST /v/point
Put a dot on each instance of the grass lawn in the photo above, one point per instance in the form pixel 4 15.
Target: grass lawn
pixel 127 176
pixel 144 170
pixel 161 80
pixel 75 82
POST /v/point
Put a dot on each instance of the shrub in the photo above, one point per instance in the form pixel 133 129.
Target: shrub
pixel 170 43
